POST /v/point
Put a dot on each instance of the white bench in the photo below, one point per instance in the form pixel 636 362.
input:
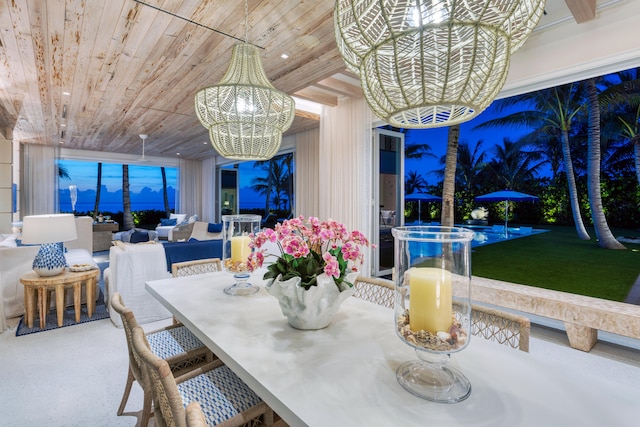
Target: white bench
pixel 582 316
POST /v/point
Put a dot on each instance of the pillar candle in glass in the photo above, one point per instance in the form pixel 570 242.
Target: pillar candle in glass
pixel 433 308
pixel 237 231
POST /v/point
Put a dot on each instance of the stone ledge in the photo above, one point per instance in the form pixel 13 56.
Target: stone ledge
pixel 583 316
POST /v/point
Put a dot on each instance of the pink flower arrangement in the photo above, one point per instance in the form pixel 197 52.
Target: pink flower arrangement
pixel 309 248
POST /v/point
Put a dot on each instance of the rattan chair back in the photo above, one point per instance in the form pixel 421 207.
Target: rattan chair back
pixel 195 417
pixel 135 373
pixel 201 385
pixel 376 290
pixel 199 266
pixel 500 326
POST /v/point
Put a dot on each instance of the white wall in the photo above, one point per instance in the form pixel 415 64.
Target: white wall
pixel 568 52
pixel 6 180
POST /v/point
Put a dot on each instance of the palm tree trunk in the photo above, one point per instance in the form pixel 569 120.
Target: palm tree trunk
pixel 636 152
pixel 603 233
pixel 165 195
pixel 447 218
pixel 573 189
pixel 96 207
pixel 126 199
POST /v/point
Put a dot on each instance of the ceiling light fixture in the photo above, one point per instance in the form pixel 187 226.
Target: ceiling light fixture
pixel 246 116
pixel 431 63
pixel 143 137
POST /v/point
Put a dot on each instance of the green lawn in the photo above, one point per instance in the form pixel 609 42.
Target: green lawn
pixel 559 260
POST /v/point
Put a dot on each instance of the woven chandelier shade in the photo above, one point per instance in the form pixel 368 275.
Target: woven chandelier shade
pixel 432 63
pixel 246 116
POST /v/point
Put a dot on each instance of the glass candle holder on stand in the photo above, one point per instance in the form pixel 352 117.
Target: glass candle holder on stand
pixel 433 308
pixel 237 231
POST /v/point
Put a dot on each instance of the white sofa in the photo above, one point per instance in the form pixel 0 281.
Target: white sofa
pixel 17 260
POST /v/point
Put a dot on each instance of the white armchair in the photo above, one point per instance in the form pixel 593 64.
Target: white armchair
pixel 163 230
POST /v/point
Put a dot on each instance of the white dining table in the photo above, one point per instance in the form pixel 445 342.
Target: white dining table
pixel 344 375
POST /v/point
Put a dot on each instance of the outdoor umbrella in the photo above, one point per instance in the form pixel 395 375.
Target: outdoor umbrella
pixel 421 197
pixel 507 196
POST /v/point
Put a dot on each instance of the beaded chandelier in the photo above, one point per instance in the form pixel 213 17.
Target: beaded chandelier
pixel 246 116
pixel 431 63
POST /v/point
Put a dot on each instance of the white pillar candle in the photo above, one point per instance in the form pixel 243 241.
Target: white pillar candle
pixel 240 249
pixel 430 299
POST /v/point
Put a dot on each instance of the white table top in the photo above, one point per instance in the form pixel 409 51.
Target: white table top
pixel 344 375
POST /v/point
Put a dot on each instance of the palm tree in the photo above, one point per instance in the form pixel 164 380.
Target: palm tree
pixel 126 199
pixel 621 102
pixel 96 207
pixel 469 167
pixel 165 195
pixel 414 183
pixel 603 233
pixel 449 184
pixel 275 182
pixel 551 111
pixel 63 173
pixel 513 167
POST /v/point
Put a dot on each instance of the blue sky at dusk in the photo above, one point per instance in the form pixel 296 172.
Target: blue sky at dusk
pixel 437 140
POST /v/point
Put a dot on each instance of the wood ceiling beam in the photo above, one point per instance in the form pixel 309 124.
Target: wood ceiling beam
pixel 582 10
pixel 343 88
pixel 316 95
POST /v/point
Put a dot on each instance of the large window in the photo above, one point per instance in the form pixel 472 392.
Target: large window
pixel 264 186
pixel 145 186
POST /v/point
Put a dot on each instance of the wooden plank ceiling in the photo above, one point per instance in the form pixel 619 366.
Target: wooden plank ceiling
pixel 94 74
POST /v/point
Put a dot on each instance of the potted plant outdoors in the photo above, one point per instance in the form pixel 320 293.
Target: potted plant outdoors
pixel 315 270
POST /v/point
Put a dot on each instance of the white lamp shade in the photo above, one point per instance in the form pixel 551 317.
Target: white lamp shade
pixel 48 228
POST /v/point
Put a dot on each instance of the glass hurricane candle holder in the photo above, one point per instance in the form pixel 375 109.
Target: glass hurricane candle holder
pixel 236 238
pixel 433 308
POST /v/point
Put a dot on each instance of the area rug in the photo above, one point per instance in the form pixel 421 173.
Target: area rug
pixel 69 319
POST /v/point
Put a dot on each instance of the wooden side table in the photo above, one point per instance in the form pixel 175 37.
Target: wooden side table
pixel 37 289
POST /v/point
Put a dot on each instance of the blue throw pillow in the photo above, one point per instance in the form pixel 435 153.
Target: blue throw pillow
pixel 168 221
pixel 214 228
pixel 193 239
pixel 139 236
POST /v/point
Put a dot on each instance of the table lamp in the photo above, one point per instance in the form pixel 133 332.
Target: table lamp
pixel 49 231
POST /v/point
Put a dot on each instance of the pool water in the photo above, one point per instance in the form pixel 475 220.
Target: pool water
pixel 484 235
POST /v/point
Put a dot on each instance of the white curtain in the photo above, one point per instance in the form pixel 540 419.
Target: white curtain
pixel 345 167
pixel 209 190
pixel 307 190
pixel 190 187
pixel 39 180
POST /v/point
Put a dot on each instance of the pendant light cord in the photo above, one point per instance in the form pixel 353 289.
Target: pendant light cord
pixel 191 21
pixel 246 20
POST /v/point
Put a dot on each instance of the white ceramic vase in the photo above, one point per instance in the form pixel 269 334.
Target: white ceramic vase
pixel 313 308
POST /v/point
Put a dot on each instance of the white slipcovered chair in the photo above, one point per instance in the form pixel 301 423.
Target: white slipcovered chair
pixel 163 230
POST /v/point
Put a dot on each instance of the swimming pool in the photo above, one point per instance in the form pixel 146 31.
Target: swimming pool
pixel 484 235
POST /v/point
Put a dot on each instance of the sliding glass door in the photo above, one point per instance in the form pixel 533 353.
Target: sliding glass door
pixel 388 211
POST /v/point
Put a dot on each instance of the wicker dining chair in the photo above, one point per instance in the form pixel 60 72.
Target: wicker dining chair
pixel 224 398
pixel 376 290
pixel 500 326
pixel 198 266
pixel 191 268
pixel 175 344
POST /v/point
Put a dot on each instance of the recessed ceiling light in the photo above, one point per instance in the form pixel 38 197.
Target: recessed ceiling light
pixel 177 154
pixel 63 125
pixel 61 142
pixel 66 93
pixel 284 56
